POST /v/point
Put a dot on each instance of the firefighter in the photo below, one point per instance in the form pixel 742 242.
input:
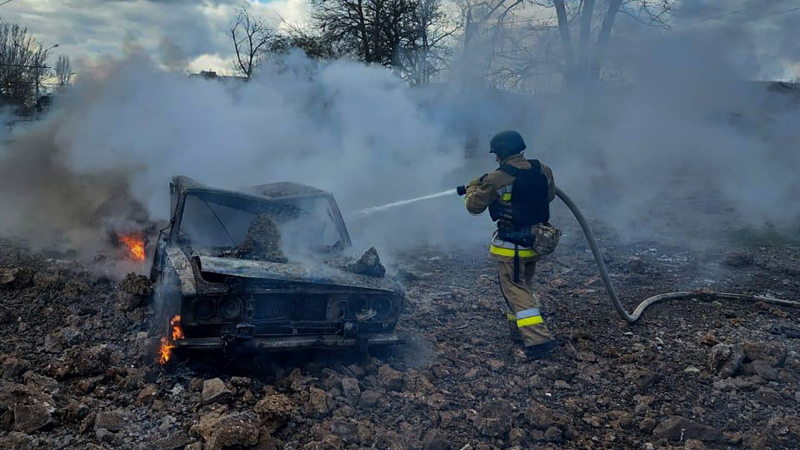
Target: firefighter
pixel 518 196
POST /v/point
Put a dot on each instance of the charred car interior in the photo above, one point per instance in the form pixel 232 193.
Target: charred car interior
pixel 265 268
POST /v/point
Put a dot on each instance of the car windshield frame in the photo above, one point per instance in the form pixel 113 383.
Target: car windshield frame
pixel 230 197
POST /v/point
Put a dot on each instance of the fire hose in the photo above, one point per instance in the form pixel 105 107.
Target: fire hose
pixel 612 293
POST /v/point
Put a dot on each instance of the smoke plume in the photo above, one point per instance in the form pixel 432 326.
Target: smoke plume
pixel 690 128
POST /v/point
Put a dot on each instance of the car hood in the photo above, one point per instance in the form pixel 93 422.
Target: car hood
pixel 291 272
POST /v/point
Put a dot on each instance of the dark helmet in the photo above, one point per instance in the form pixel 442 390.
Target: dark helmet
pixel 507 143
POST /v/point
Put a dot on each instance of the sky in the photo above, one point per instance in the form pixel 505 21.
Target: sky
pixel 192 34
pixel 184 34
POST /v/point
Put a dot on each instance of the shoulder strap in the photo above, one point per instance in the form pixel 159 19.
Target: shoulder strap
pixel 511 170
pixel 515 172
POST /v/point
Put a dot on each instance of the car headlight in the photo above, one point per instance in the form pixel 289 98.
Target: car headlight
pixel 358 306
pixel 204 308
pixel 382 306
pixel 230 308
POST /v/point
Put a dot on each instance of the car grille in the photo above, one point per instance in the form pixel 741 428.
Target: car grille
pixel 292 307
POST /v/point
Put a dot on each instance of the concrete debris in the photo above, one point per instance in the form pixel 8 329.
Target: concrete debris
pixel 215 391
pixel 7 276
pixel 369 264
pixel 239 429
pixel 262 242
pixel 390 378
pixel 434 440
pixel 275 411
pixel 73 373
pixel 772 353
pixel 29 418
pixel 110 420
pixel 350 389
pixel 678 428
pixel 725 359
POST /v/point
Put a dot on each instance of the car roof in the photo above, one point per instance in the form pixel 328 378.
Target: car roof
pixel 270 191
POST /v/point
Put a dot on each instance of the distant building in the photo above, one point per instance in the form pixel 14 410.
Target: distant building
pixel 211 75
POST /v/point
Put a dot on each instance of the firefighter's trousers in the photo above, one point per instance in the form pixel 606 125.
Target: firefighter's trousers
pixel 526 319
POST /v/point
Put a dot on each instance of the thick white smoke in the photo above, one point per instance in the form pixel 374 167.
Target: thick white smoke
pixel 689 126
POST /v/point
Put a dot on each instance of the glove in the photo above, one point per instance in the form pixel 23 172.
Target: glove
pixel 461 190
pixel 478 181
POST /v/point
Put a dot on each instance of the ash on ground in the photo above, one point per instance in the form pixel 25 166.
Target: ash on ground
pixel 75 371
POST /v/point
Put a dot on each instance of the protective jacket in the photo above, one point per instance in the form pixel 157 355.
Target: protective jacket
pixel 495 191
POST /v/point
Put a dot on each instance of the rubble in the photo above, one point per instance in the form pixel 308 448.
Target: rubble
pixel 772 353
pixel 369 264
pixel 350 389
pixel 275 411
pixel 391 379
pixel 262 242
pixel 29 418
pixel 685 377
pixel 215 391
pixel 678 428
pixel 434 440
pixel 240 429
pixel 109 420
pixel 725 359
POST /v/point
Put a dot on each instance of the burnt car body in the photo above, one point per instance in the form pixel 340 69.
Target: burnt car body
pixel 230 302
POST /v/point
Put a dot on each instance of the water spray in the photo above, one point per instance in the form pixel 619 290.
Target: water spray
pixel 598 257
pixel 355 215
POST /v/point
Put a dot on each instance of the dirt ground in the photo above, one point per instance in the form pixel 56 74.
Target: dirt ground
pixel 694 374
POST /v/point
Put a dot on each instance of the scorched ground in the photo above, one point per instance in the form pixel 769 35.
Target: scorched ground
pixel 699 374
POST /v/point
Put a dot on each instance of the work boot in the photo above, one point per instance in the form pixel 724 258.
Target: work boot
pixel 536 352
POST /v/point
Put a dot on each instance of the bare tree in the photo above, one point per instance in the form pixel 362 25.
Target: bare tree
pixel 251 38
pixel 313 44
pixel 590 56
pixel 408 36
pixel 22 66
pixel 484 29
pixel 365 29
pixel 63 70
pixel 426 51
pixel 553 43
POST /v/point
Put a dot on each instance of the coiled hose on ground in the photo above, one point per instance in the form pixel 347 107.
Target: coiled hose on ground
pixel 612 293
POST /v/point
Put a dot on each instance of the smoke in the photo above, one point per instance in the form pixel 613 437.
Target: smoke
pixel 52 206
pixel 689 131
pixel 123 133
pixel 172 55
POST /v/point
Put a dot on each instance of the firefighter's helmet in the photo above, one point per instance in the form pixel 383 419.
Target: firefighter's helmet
pixel 506 143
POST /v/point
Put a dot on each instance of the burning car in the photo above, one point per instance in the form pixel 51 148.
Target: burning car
pixel 265 268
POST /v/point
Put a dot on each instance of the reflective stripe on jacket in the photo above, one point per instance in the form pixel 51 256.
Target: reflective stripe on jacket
pixel 496 186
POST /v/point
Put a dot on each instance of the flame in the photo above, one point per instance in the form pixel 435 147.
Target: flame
pixel 167 344
pixel 177 331
pixel 135 246
pixel 165 351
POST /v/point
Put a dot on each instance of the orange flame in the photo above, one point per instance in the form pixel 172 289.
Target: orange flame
pixel 167 344
pixel 177 331
pixel 165 351
pixel 135 246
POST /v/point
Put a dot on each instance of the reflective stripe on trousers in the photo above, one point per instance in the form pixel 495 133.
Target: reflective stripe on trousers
pixel 528 317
